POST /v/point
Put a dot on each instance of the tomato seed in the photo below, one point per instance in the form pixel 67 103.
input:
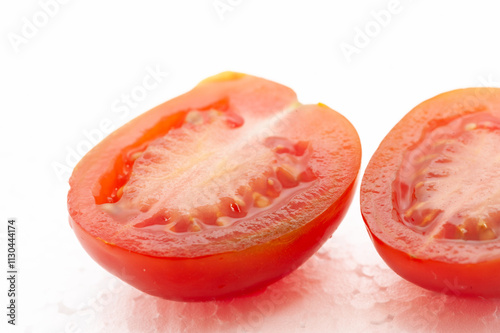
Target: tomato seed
pixel 194 118
pixel 119 193
pixel 286 176
pixel 430 217
pixel 135 156
pixel 195 225
pixel 470 126
pixel 413 208
pixel 261 201
pixel 485 232
pixel 223 221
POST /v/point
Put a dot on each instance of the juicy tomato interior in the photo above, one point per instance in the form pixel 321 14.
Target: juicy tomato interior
pixel 448 186
pixel 235 175
pixel 193 179
pixel 430 195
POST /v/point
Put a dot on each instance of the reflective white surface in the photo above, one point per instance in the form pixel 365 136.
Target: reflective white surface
pixel 345 287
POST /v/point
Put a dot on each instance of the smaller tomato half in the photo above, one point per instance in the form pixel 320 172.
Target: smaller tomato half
pixel 430 196
pixel 216 193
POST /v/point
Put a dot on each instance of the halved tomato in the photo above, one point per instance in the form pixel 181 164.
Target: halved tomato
pixel 430 196
pixel 216 193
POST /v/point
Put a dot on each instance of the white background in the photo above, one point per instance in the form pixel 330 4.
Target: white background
pixel 63 74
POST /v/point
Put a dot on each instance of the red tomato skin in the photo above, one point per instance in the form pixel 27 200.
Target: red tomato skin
pixel 471 271
pixel 474 279
pixel 222 275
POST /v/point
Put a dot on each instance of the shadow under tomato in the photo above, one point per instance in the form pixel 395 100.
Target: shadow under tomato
pixel 345 287
pixel 247 313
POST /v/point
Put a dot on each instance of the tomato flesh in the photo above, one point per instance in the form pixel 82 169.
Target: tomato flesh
pixel 216 193
pixel 430 195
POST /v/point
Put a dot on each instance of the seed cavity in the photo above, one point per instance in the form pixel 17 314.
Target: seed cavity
pixel 139 199
pixel 448 186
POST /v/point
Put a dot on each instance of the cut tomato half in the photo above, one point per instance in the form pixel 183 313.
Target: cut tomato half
pixel 430 196
pixel 215 193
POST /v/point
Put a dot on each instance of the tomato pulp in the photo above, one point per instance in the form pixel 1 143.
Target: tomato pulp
pixel 218 192
pixel 430 196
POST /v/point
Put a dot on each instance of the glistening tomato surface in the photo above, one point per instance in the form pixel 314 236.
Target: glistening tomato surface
pixel 430 196
pixel 218 192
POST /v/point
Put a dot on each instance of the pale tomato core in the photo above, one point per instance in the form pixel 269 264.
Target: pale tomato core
pixel 448 185
pixel 194 178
